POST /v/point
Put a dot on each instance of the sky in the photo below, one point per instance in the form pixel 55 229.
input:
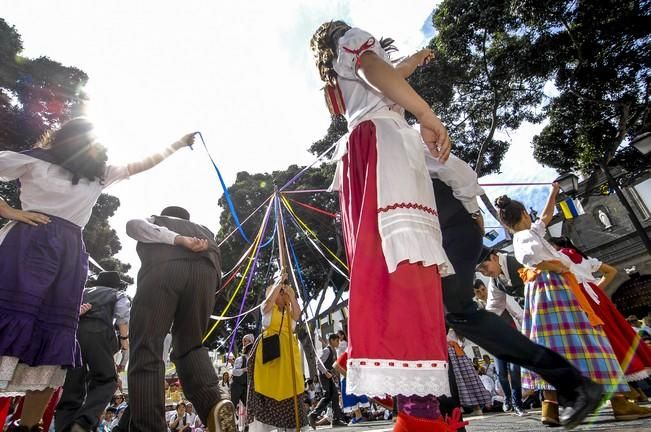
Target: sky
pixel 239 72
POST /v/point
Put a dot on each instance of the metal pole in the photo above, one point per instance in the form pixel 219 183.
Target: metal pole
pixel 631 214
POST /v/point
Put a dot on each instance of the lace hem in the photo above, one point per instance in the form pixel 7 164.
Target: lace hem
pixel 637 376
pixel 17 378
pixel 379 377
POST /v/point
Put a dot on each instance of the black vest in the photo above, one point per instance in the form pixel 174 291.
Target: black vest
pixel 516 289
pixel 332 357
pixel 153 255
pixel 100 316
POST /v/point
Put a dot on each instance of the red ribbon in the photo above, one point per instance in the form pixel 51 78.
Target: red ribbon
pixel 455 421
pixel 368 44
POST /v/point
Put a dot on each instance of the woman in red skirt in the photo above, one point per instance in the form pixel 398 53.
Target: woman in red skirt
pixel 633 355
pixel 390 224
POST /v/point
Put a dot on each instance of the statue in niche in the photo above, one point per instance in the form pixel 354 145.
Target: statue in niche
pixel 603 218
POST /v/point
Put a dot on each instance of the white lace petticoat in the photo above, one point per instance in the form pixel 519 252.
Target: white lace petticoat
pixel 17 378
pixel 377 378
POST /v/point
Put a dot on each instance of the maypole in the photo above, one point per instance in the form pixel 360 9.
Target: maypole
pixel 283 259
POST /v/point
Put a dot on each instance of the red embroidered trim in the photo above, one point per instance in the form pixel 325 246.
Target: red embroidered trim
pixel 408 206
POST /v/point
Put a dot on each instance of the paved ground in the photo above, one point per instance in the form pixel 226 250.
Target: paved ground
pixel 604 421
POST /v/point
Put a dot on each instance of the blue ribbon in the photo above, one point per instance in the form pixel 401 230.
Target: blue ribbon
pixel 231 207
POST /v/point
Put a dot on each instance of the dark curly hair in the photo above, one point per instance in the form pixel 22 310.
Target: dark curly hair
pixel 71 147
pixel 510 211
pixel 324 47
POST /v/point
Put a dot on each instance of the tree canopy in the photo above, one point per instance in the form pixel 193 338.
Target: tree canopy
pixel 495 59
pixel 35 96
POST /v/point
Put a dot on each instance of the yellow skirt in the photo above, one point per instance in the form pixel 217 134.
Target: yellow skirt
pixel 274 379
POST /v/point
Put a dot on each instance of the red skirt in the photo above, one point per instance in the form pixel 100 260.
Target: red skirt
pixel 632 353
pixel 396 329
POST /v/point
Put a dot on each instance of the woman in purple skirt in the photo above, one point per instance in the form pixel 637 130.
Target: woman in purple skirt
pixel 43 261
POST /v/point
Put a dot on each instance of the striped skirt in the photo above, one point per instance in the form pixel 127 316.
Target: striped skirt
pixel 554 319
pixel 471 390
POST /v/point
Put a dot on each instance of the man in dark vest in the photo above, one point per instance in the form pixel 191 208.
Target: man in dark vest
pixel 505 290
pixel 456 191
pixel 325 364
pixel 239 385
pixel 178 277
pixel 88 389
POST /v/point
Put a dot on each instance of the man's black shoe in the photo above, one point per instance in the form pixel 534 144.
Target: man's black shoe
pixel 339 423
pixel 588 398
pixel 507 407
pixel 519 411
pixel 311 419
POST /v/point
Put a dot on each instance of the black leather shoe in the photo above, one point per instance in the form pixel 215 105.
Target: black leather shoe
pixel 507 407
pixel 588 398
pixel 339 423
pixel 311 419
pixel 519 411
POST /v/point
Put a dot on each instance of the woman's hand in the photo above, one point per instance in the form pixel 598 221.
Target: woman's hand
pixel 435 135
pixel 424 56
pixel 185 141
pixel 27 217
pixel 557 267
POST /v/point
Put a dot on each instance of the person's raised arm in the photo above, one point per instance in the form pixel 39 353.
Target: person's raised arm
pixel 294 306
pixel 408 65
pixel 548 211
pixel 386 79
pixel 156 158
pixel 608 273
pixel 270 300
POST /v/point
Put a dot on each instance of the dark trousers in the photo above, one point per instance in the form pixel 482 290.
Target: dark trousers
pixel 88 390
pixel 512 390
pixel 462 243
pixel 331 395
pixel 180 294
pixel 238 391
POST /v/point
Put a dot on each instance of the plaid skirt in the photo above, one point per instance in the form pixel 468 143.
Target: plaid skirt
pixel 554 319
pixel 471 390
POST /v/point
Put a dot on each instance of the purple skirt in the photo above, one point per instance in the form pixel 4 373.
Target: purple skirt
pixel 43 270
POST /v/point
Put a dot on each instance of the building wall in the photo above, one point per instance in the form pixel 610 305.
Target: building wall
pixel 619 245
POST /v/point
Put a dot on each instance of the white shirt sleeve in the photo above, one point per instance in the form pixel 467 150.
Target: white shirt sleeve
pixel 122 308
pixel 496 301
pixel 459 176
pixel 527 246
pixel 350 47
pixel 145 231
pixel 515 310
pixel 14 165
pixel 115 174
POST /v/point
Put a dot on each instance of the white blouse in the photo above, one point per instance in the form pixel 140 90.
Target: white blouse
pixel 530 247
pixel 359 97
pixel 47 188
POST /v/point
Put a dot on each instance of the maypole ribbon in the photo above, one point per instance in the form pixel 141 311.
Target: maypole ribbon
pixel 316 209
pixel 304 170
pixel 291 210
pixel 250 279
pixel 315 246
pixel 230 234
pixel 226 194
pixel 246 271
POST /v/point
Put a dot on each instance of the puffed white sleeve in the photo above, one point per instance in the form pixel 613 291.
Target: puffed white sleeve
pixel 594 264
pixel 459 176
pixel 114 174
pixel 527 247
pixel 350 48
pixel 14 165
